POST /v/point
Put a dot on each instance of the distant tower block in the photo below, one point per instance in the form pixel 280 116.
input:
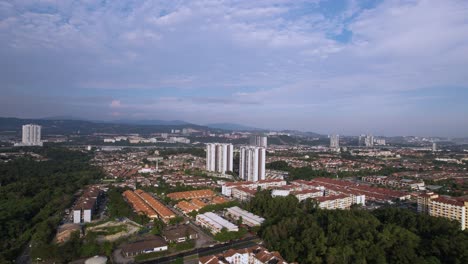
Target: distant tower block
pixel 334 141
pixel 259 141
pixel 252 163
pixel 219 157
pixel 31 135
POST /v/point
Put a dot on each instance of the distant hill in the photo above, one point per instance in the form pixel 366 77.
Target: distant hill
pixel 62 118
pixel 303 134
pixel 152 122
pixel 71 127
pixel 233 127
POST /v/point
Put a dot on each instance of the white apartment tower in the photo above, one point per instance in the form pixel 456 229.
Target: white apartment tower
pixel 259 141
pixel 334 141
pixel 252 163
pixel 31 135
pixel 219 157
pixel 369 141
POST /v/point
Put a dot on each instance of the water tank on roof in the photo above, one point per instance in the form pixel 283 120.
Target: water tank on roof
pixel 96 260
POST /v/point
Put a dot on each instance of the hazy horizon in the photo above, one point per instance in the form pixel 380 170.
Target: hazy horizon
pixel 395 67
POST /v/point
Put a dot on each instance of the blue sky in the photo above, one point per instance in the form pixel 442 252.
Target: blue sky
pixel 349 67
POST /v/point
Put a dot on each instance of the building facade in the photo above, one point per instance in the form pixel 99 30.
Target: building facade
pixel 252 163
pixel 31 135
pixel 259 141
pixel 447 207
pixel 215 223
pixel 219 157
pixel 334 141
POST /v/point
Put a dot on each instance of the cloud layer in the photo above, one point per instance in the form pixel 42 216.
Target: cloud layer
pixel 385 67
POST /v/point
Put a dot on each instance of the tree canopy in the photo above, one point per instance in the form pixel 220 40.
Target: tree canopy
pixel 303 233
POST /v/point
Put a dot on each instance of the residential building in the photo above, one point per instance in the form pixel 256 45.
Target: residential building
pixel 219 157
pixel 259 141
pixel 139 205
pixel 334 141
pixel 191 194
pixel 380 141
pixel 252 255
pixel 226 188
pixel 164 213
pixel 369 141
pixel 333 202
pixel 444 206
pixel 252 163
pixel 86 205
pixel 31 135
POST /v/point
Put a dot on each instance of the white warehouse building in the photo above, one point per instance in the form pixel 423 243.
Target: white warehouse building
pixel 215 223
pixel 248 218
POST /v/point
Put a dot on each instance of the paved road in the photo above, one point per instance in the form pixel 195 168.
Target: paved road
pixel 24 258
pixel 248 242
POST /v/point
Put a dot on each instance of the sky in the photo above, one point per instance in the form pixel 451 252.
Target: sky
pixel 396 67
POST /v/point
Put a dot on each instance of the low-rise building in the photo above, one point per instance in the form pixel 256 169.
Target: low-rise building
pixel 149 245
pixel 215 223
pixel 179 233
pixel 86 205
pixel 333 202
pixel 192 194
pixel 248 218
pixel 252 255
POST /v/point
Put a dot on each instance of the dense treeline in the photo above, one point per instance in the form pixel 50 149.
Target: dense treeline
pixel 198 152
pixel 308 173
pixel 34 194
pixel 303 233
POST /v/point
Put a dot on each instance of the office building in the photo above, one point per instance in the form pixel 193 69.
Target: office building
pixel 252 163
pixel 334 141
pixel 31 135
pixel 259 141
pixel 434 147
pixel 219 157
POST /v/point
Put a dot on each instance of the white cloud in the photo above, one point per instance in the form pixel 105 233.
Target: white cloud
pixel 115 104
pixel 258 55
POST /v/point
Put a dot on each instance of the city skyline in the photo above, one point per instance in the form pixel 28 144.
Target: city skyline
pixel 346 67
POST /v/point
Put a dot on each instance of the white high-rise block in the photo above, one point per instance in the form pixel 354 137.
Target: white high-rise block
pixel 259 141
pixel 31 135
pixel 219 157
pixel 252 163
pixel 334 141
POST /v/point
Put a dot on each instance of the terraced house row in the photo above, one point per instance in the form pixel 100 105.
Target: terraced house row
pixel 143 202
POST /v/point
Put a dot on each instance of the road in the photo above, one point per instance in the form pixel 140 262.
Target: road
pixel 245 243
pixel 24 258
